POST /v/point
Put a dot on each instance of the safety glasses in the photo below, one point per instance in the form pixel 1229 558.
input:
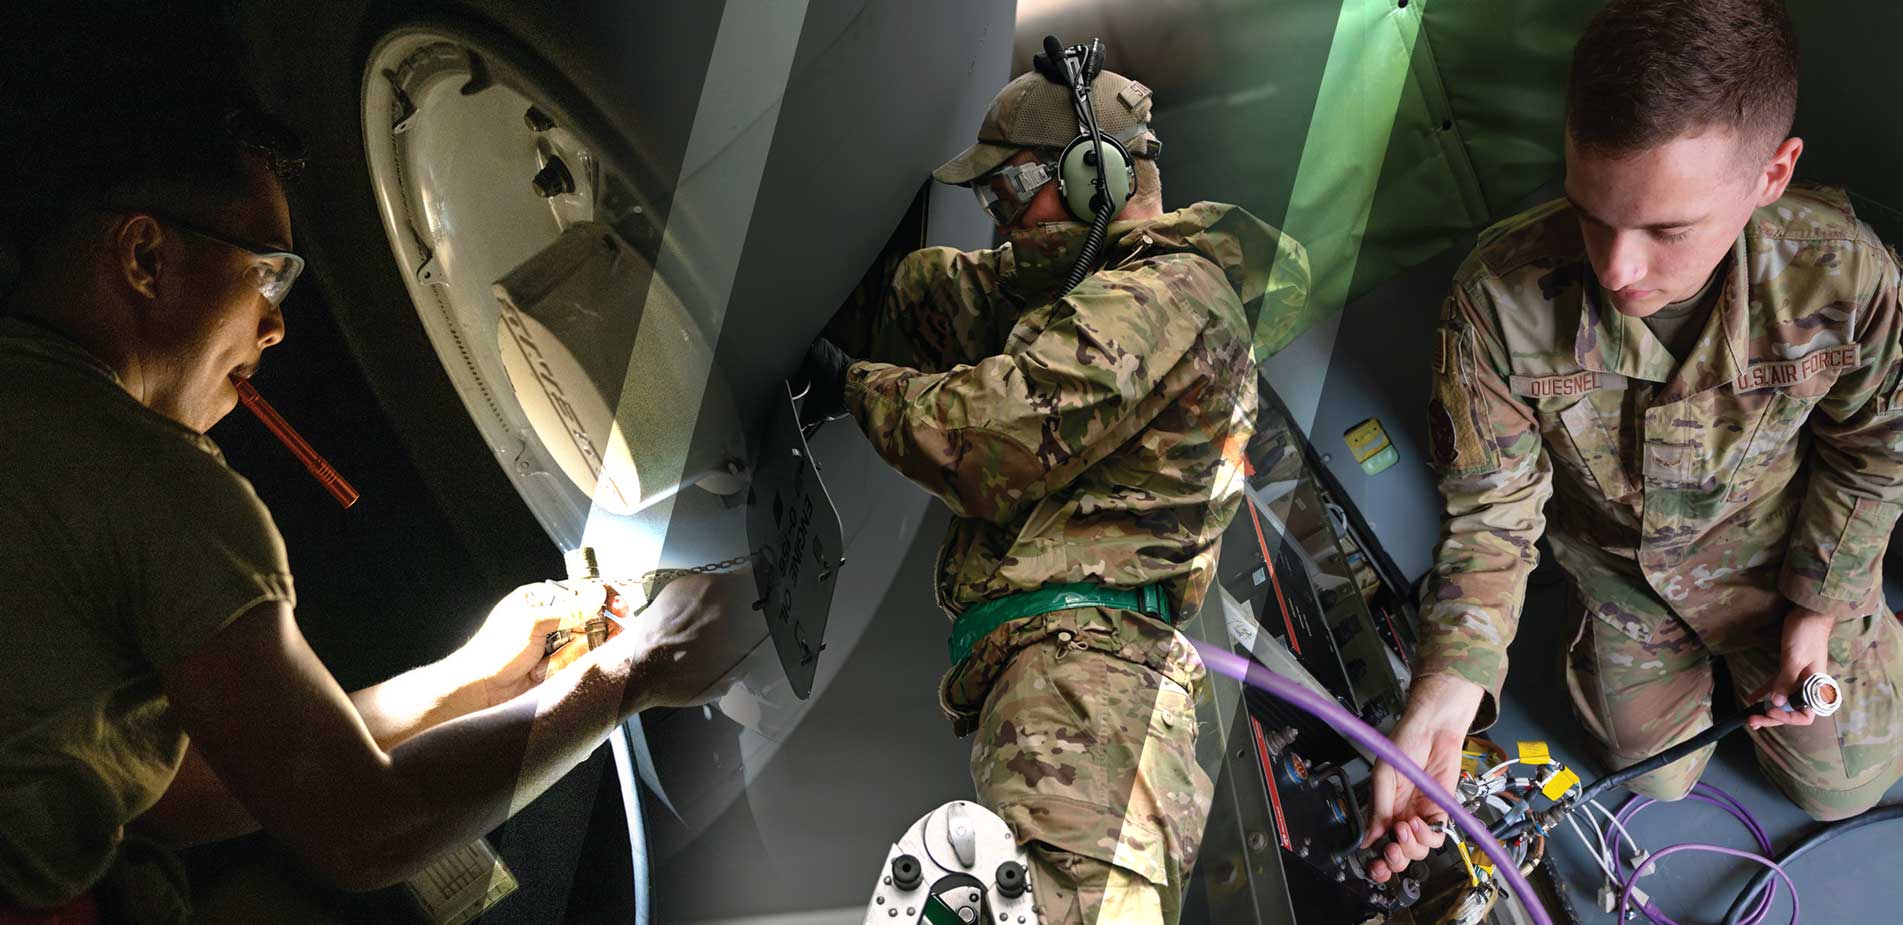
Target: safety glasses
pixel 272 273
pixel 1006 192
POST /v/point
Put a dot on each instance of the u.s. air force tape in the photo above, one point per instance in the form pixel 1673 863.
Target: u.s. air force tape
pixel 1790 372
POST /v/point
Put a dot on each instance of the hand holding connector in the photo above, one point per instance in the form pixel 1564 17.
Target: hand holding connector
pixel 582 630
pixel 1804 653
pixel 1819 694
pixel 511 652
pixel 1431 733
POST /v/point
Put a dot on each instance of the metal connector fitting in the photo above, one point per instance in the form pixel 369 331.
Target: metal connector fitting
pixel 581 563
pixel 1821 693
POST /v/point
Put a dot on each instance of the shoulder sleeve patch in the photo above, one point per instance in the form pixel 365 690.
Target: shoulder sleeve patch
pixel 1457 423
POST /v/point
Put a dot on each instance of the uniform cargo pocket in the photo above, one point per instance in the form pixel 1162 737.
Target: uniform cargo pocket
pixel 1859 552
pixel 1869 662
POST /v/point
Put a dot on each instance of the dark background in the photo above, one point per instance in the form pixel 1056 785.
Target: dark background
pixel 383 587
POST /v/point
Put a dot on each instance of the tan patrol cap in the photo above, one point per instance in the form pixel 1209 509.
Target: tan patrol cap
pixel 1034 112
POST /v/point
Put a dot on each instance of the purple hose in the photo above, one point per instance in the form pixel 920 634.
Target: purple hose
pixel 1703 793
pixel 1625 896
pixel 1631 809
pixel 1750 821
pixel 1235 666
pixel 1712 794
pixel 1651 910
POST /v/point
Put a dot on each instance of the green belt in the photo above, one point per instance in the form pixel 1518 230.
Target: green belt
pixel 977 622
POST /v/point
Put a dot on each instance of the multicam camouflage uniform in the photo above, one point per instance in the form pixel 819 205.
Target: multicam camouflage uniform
pixel 1096 437
pixel 1691 502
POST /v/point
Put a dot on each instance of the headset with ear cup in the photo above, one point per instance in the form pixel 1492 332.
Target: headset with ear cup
pixel 1084 168
pixel 1092 161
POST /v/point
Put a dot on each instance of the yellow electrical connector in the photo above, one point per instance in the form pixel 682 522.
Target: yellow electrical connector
pixel 1535 753
pixel 1473 762
pixel 1557 785
pixel 1466 859
pixel 1475 867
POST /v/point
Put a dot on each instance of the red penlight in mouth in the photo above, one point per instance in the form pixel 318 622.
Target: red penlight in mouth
pixel 318 467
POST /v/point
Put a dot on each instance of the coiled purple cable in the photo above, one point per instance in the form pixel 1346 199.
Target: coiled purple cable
pixel 1625 896
pixel 1705 793
pixel 1241 669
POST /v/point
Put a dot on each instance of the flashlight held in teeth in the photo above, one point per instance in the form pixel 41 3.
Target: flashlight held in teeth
pixel 318 467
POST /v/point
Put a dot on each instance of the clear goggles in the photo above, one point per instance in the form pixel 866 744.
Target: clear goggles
pixel 1006 192
pixel 272 273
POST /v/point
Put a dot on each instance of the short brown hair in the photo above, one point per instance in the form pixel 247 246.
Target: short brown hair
pixel 1648 71
pixel 122 111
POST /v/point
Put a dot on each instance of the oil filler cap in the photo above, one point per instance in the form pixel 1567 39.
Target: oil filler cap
pixel 1011 879
pixel 906 874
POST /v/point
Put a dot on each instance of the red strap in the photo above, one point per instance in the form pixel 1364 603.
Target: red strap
pixel 81 911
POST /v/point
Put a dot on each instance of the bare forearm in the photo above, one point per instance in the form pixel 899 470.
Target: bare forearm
pixel 1445 695
pixel 366 816
pixel 415 700
pixel 468 774
pixel 197 808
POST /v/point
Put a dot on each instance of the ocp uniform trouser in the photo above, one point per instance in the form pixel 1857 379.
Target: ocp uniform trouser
pixel 1639 698
pixel 1090 756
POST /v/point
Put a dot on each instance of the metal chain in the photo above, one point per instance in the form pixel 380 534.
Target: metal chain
pixel 664 575
pixel 651 584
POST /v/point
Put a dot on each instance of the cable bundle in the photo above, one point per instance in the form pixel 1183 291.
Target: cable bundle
pixel 1627 882
pixel 1511 794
